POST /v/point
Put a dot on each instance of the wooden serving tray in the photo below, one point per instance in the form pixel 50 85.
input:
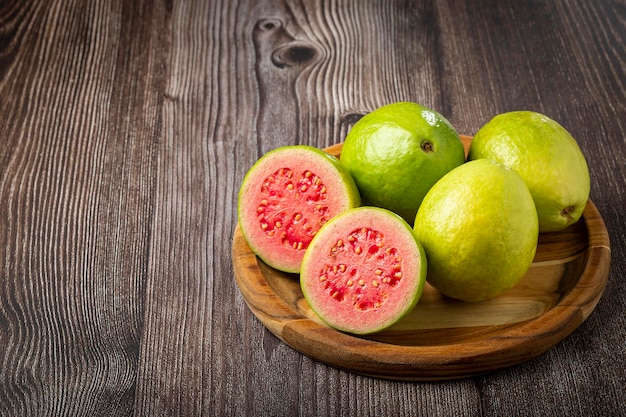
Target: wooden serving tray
pixel 444 338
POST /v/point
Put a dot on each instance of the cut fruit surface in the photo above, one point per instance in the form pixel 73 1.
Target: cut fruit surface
pixel 286 197
pixel 363 271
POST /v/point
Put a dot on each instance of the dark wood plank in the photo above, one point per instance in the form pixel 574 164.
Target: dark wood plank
pixel 195 343
pixel 80 115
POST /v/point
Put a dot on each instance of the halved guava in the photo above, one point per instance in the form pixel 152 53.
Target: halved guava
pixel 363 271
pixel 286 197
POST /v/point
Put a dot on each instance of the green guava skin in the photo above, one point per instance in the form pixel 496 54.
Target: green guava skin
pixel 479 229
pixel 397 152
pixel 547 157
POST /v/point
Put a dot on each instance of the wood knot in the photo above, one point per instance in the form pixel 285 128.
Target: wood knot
pixel 293 54
pixel 352 118
pixel 268 25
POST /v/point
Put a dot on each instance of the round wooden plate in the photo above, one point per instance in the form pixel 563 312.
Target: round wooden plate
pixel 443 338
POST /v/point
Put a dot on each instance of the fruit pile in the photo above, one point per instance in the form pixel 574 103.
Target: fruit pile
pixel 405 205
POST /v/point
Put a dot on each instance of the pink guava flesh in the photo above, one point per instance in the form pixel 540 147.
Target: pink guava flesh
pixel 363 271
pixel 285 199
pixel 292 206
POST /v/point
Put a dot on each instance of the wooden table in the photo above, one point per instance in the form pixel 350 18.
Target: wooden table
pixel 126 128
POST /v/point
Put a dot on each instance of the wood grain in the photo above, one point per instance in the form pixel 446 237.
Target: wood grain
pixel 127 127
pixel 80 114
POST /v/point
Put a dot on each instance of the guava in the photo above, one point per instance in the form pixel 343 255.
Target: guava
pixel 479 229
pixel 284 199
pixel 397 152
pixel 363 271
pixel 547 157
